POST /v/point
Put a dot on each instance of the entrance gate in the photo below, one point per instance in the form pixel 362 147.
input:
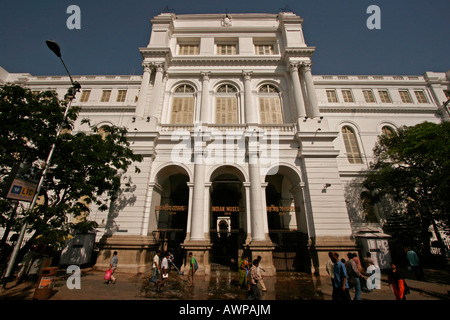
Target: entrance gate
pixel 227 218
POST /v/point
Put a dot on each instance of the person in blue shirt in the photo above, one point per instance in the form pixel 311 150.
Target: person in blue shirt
pixel 413 260
pixel 340 279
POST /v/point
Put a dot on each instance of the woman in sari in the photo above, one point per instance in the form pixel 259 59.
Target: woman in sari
pixel 243 269
pixel 398 283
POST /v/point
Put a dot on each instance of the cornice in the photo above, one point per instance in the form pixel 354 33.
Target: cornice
pixel 234 60
pixel 374 109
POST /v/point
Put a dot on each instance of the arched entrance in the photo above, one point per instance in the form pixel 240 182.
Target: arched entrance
pixel 227 217
pixel 286 219
pixel 171 202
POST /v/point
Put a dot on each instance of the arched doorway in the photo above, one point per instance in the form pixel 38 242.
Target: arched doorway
pixel 227 217
pixel 171 202
pixel 286 219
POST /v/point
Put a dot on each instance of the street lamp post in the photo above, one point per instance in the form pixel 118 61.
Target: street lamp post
pixel 71 92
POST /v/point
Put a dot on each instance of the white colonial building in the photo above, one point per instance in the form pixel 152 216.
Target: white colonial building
pixel 245 150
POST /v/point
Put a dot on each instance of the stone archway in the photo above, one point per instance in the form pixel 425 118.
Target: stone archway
pixel 227 217
pixel 286 219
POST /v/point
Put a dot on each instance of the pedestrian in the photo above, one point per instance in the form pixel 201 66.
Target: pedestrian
pixel 164 272
pixel 330 270
pixel 193 266
pixel 243 270
pixel 171 259
pixel 113 266
pixel 368 267
pixel 340 279
pixel 414 263
pixel 397 283
pixel 254 292
pixel 368 261
pixel 25 265
pixel 156 268
pixel 354 275
pixel 260 268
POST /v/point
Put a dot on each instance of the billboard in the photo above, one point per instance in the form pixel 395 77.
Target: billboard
pixel 22 183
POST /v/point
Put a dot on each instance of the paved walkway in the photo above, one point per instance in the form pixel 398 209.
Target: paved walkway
pixel 220 285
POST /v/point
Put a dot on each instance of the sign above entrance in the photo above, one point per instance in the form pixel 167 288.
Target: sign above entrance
pixel 280 209
pixel 226 210
pixel 171 209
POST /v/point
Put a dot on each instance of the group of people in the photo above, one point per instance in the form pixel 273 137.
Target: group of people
pixel 250 277
pixel 350 274
pixel 160 273
pixel 160 269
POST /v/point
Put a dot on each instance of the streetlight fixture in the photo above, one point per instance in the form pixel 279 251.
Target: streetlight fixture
pixel 71 92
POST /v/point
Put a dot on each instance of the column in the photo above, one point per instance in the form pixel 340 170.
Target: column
pixel 204 110
pixel 198 197
pixel 306 73
pixel 156 91
pixel 250 114
pixel 144 90
pixel 298 95
pixel 257 206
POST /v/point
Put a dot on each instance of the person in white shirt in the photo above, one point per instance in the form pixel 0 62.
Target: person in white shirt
pixel 164 272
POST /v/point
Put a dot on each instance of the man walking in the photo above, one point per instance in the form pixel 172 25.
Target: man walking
pixel 164 272
pixel 253 279
pixel 340 279
pixel 193 266
pixel 413 259
pixel 156 268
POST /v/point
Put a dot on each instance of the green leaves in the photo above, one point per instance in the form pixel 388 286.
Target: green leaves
pixel 86 166
pixel 412 167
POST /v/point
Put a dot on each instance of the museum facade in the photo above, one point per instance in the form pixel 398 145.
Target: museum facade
pixel 244 149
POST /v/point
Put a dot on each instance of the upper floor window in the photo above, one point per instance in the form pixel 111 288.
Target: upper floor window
pixel 121 94
pixel 183 103
pixel 226 49
pixel 347 94
pixel 85 95
pixel 384 96
pixel 226 105
pixel 405 96
pixel 270 105
pixel 264 49
pixel 351 145
pixel 368 96
pixel 420 95
pixel 106 94
pixel 189 49
pixel 332 96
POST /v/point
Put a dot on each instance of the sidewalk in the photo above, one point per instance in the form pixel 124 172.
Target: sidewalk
pixel 220 285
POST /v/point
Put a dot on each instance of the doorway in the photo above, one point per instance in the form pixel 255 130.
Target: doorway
pixel 227 221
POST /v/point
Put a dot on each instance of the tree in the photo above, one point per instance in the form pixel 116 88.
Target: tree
pixel 412 167
pixel 85 169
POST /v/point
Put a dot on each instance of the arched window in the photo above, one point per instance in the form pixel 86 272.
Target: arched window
pixel 351 145
pixel 387 131
pixel 183 105
pixel 270 105
pixel 226 105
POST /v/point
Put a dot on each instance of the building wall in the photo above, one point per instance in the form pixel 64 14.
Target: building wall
pixel 310 151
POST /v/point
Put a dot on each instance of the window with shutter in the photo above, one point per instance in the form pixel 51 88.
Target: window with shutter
pixel 351 145
pixel 226 105
pixel 183 104
pixel 270 105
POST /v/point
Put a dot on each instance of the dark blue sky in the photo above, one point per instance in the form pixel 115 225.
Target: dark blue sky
pixel 414 34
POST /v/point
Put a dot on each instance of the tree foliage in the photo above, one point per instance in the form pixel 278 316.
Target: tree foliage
pixel 412 167
pixel 85 169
